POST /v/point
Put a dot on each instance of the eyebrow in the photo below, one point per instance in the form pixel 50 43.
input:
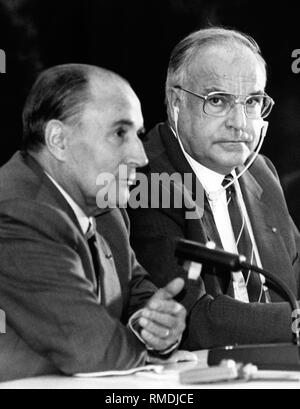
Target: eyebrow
pixel 215 89
pixel 126 122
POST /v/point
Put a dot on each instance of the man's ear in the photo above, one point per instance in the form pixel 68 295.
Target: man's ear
pixel 174 103
pixel 55 139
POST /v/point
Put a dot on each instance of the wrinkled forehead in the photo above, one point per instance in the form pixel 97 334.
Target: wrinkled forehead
pixel 234 69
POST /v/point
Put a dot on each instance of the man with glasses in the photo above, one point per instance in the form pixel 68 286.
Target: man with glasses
pixel 217 106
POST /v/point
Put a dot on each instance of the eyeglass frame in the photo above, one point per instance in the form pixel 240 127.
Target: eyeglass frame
pixel 205 97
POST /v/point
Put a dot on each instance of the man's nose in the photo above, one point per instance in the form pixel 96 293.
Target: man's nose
pixel 237 117
pixel 136 154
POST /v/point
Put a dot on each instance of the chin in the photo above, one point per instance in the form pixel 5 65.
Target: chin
pixel 123 202
pixel 122 199
pixel 236 161
pixel 112 198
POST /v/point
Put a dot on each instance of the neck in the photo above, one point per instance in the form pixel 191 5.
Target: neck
pixel 58 172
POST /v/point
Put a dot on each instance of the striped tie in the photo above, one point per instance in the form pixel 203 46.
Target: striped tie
pixel 244 243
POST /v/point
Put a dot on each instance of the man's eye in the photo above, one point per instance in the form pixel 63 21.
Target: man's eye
pixel 121 133
pixel 217 100
pixel 254 101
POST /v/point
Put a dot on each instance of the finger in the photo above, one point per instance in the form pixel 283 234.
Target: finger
pixel 171 290
pixel 166 320
pixel 174 331
pixel 156 330
pixel 166 307
pixel 157 343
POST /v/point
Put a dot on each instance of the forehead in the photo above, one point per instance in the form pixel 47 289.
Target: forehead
pixel 113 102
pixel 233 69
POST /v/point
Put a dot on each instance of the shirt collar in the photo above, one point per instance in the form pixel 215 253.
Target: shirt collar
pixel 83 220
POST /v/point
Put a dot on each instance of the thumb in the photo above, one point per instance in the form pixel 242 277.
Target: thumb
pixel 171 290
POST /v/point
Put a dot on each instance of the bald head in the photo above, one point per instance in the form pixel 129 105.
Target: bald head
pixel 61 93
pixel 109 90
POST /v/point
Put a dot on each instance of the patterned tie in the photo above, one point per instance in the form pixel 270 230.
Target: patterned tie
pixel 244 243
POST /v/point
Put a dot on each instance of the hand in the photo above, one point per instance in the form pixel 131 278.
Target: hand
pixel 163 319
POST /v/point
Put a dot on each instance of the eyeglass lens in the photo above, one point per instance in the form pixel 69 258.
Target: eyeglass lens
pixel 220 104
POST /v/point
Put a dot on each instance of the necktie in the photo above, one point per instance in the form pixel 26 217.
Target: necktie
pixel 108 285
pixel 93 246
pixel 244 243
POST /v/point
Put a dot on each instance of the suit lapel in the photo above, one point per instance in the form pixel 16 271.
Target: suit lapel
pixel 200 230
pixel 49 193
pixel 265 225
pixel 177 157
pixel 195 192
pixel 49 190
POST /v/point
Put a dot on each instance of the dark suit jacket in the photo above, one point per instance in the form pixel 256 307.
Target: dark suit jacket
pixel 47 286
pixel 291 187
pixel 217 319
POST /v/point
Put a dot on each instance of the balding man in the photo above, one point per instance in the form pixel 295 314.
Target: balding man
pixel 69 281
pixel 217 107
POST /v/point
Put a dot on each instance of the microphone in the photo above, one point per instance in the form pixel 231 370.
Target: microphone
pixel 199 253
pixel 271 356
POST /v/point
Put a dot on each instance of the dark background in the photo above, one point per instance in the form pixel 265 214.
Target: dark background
pixel 135 39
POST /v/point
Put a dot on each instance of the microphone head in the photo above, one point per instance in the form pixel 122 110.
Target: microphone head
pixel 202 254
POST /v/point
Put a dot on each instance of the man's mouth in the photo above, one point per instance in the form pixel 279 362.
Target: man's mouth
pixel 234 146
pixel 235 141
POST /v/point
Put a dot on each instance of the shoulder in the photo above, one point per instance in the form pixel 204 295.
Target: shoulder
pixel 263 168
pixel 27 218
pixel 158 143
pixel 264 174
pixel 267 162
pixel 18 179
pixel 153 142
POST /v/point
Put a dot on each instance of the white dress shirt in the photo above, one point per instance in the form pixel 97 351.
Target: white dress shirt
pixel 83 220
pixel 216 194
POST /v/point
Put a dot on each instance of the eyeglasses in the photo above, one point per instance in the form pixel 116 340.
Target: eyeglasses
pixel 219 104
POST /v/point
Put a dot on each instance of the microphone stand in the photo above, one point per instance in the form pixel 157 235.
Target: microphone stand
pixel 280 284
pixel 284 356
